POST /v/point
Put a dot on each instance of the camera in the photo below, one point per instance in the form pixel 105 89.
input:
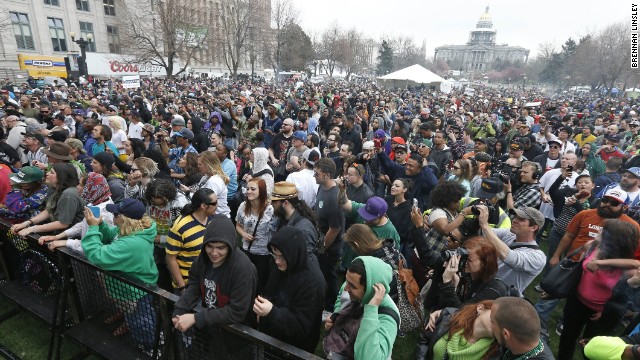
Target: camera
pixel 464 256
pixel 505 172
pixel 494 213
pixel 377 143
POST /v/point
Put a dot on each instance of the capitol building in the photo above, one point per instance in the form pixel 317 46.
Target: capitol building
pixel 481 51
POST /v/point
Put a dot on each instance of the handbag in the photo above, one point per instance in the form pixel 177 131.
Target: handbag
pixel 409 301
pixel 563 279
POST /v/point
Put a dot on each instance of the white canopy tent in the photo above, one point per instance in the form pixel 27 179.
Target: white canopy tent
pixel 413 75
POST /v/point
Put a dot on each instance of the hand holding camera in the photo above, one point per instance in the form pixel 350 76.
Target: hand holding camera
pixel 451 268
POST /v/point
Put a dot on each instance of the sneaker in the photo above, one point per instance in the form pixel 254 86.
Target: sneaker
pixel 325 315
pixel 538 288
pixel 559 328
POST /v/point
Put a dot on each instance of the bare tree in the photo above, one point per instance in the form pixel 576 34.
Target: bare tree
pixel 239 19
pixel 164 34
pixel 350 45
pixel 283 15
pixel 330 47
pixel 406 52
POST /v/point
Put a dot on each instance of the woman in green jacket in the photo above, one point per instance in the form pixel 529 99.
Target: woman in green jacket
pixel 593 163
pixel 127 248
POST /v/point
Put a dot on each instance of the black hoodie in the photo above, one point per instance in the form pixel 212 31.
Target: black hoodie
pixel 297 293
pixel 200 140
pixel 226 293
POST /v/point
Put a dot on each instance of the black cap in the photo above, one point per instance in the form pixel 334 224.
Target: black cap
pixel 60 136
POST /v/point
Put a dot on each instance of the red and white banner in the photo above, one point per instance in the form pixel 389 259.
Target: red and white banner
pixel 114 65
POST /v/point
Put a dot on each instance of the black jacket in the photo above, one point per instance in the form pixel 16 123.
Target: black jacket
pixel 235 281
pixel 297 294
pixel 542 161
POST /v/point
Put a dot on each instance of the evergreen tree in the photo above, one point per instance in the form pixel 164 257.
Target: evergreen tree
pixel 385 59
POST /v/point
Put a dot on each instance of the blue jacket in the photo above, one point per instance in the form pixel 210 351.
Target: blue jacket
pixel 423 182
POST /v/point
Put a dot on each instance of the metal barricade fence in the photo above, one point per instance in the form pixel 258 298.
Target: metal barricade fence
pixel 33 279
pixel 114 316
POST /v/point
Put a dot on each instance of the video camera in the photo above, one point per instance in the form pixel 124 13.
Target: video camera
pixel 494 213
pixel 504 172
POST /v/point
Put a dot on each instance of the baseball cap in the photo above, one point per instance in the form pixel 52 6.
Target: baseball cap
pixel 555 141
pixel 300 135
pixel 27 174
pixel 398 140
pixel 517 145
pixel 337 114
pixel 427 142
pixel 634 170
pixel 185 133
pixel 617 194
pixel 131 208
pixel 490 187
pixel 34 136
pixel 178 120
pixel 368 145
pixel 379 134
pixel 113 108
pixel 60 136
pixel 79 112
pixel 613 137
pixel 424 111
pixel 401 147
pixel 565 128
pixel 149 128
pixel 76 143
pixel 373 209
pixel 482 140
pixel 529 213
pixel 311 156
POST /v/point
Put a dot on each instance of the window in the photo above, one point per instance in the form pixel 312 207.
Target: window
pixel 22 30
pixel 113 39
pixel 52 2
pixel 82 5
pixel 86 28
pixel 56 30
pixel 109 7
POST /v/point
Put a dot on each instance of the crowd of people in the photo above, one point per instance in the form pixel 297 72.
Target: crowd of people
pixel 293 209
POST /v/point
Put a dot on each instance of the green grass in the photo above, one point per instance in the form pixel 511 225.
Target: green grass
pixel 28 337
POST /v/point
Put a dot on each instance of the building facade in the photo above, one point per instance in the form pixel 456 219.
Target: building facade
pixel 481 51
pixel 33 28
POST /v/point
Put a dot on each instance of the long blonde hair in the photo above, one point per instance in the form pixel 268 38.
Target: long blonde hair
pixel 211 161
pixel 118 122
pixel 130 226
pixel 362 239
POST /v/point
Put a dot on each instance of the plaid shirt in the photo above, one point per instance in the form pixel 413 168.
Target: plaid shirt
pixel 527 195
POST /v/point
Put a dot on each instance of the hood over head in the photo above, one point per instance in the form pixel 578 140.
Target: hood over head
pixel 219 229
pixel 260 159
pixel 293 245
pixel 196 125
pixel 377 272
pixel 313 124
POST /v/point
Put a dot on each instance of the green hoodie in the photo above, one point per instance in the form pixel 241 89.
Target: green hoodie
pixel 594 164
pixel 131 254
pixel 377 331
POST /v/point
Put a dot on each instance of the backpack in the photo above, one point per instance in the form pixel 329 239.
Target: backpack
pixel 346 323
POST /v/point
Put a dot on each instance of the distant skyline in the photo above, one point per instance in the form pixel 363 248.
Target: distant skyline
pixel 449 22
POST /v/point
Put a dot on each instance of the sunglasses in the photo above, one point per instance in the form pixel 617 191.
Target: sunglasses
pixel 554 147
pixel 213 203
pixel 612 202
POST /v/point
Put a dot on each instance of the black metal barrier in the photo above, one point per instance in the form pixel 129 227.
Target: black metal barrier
pixel 113 316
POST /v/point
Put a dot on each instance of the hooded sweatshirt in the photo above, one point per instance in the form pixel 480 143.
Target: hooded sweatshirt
pixel 377 331
pixel 225 293
pixel 200 140
pixel 131 254
pixel 297 293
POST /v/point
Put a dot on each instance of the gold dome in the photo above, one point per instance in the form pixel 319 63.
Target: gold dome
pixel 485 16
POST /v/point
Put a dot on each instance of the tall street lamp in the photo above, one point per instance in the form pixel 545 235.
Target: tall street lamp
pixel 83 51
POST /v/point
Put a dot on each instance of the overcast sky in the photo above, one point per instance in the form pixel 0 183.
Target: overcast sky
pixel 448 22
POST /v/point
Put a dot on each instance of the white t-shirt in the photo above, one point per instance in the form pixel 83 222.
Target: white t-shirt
pixel 305 184
pixel 439 213
pixel 118 139
pixel 551 163
pixel 135 131
pixel 216 184
pixel 261 240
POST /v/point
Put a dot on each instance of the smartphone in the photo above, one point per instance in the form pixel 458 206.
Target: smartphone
pixel 95 210
pixel 415 202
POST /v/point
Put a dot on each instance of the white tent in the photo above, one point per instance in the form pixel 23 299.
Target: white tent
pixel 412 75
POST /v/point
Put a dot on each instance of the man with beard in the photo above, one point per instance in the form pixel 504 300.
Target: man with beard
pixel 587 224
pixel 290 210
pixel 630 183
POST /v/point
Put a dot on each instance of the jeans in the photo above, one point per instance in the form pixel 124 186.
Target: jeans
pixel 554 240
pixel 328 262
pixel 545 309
pixel 142 322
